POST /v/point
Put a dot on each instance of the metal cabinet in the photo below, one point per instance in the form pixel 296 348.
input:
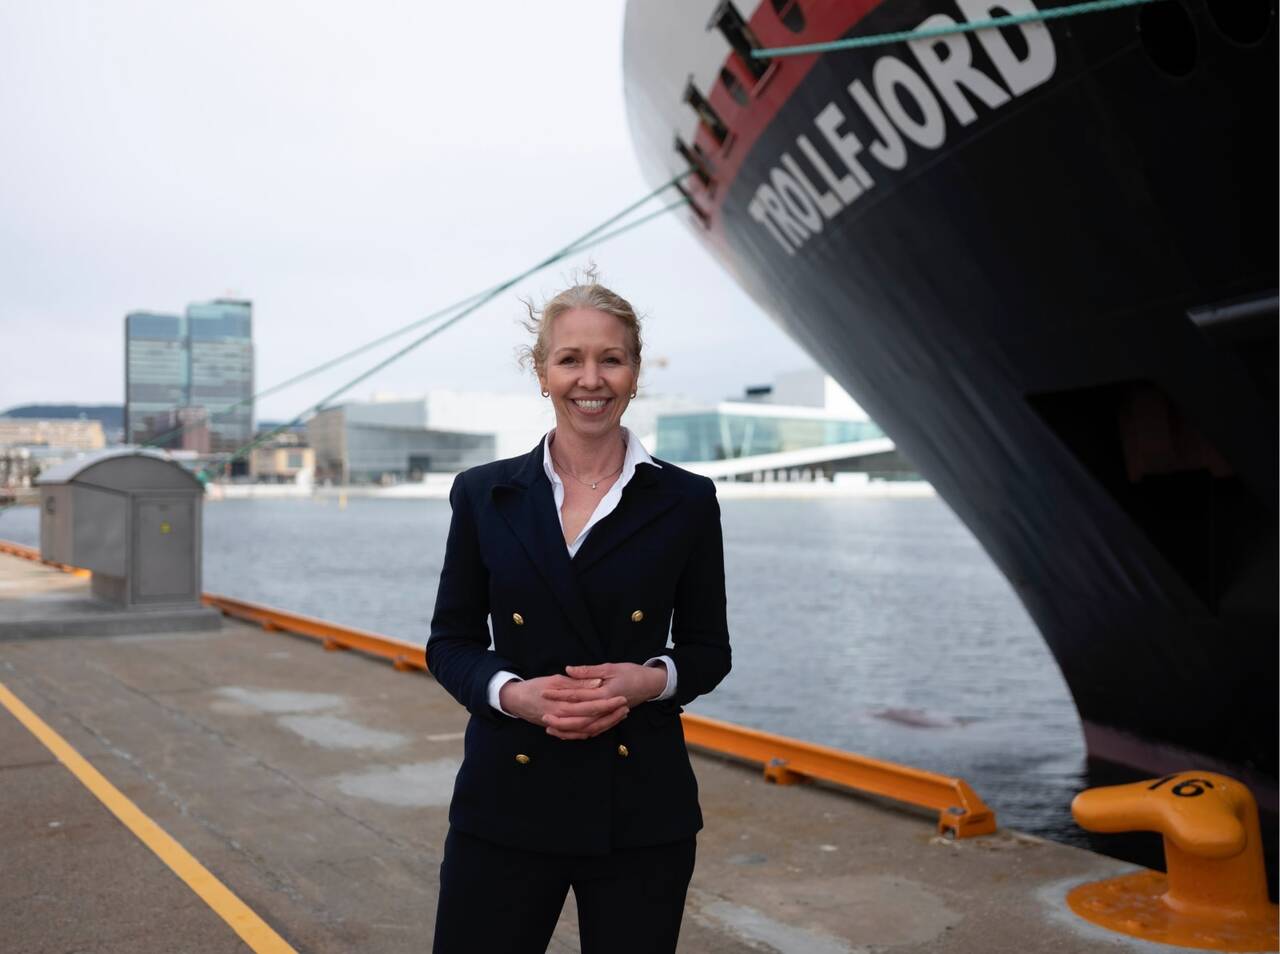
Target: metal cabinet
pixel 133 518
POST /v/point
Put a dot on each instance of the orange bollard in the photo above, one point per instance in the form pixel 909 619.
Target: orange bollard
pixel 1214 896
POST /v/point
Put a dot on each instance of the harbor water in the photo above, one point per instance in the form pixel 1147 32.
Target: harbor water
pixel 876 625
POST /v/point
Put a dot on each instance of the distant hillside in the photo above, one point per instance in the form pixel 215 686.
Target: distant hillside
pixel 111 415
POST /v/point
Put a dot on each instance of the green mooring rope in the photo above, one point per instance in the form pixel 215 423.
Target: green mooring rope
pixel 590 237
pixel 884 39
pixel 301 376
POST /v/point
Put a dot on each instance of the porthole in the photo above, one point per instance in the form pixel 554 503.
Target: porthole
pixel 790 14
pixel 1168 37
pixel 1244 21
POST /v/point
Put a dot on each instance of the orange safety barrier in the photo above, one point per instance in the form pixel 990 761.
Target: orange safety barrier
pixel 403 655
pixel 32 554
pixel 786 761
pixel 1215 893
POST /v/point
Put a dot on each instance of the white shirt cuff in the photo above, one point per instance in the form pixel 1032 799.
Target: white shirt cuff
pixel 670 689
pixel 500 679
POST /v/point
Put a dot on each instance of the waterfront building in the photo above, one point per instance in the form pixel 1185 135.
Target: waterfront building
pixel 75 435
pixel 745 428
pixel 801 410
pixel 191 371
pixel 110 416
pixel 390 441
pixel 29 446
pixel 285 458
pixel 281 465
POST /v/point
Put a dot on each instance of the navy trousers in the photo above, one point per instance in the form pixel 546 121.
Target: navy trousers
pixel 497 900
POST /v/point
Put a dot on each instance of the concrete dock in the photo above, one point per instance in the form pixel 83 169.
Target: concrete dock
pixel 314 786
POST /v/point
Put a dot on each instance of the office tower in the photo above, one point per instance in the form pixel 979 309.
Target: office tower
pixel 193 374
pixel 157 374
pixel 220 349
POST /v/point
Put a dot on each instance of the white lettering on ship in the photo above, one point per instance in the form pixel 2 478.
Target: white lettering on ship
pixel 902 110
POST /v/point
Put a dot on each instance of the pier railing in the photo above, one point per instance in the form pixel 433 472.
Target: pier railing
pixel 961 812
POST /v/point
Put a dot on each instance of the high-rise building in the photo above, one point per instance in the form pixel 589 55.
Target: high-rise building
pixel 193 374
pixel 220 336
pixel 157 373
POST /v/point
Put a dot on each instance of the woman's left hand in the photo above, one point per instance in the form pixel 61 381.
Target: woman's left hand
pixel 637 683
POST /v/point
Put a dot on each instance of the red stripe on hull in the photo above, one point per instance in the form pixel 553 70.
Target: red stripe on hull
pixel 824 21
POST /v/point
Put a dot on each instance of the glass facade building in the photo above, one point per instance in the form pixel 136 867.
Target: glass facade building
pixel 157 373
pixel 220 336
pixel 747 429
pixel 190 371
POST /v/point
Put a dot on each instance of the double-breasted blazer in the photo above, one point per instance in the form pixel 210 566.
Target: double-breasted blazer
pixel 654 566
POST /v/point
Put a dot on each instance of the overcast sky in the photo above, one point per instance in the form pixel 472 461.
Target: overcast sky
pixel 348 167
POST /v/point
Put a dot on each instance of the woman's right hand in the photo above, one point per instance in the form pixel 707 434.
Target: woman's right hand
pixel 564 720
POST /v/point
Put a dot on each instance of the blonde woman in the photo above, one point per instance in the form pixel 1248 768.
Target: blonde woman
pixel 584 554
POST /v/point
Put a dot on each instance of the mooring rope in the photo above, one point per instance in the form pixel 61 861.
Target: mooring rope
pixel 591 237
pixel 160 440
pixel 884 39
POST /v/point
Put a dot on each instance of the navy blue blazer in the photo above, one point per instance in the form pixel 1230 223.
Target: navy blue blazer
pixel 655 565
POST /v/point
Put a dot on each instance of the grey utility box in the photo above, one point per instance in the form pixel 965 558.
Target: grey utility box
pixel 133 518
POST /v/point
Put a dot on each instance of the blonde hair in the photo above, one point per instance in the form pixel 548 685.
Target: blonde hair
pixel 588 293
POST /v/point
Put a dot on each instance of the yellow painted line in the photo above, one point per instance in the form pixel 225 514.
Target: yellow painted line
pixel 252 929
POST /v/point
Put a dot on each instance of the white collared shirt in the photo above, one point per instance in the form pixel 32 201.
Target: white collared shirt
pixel 635 455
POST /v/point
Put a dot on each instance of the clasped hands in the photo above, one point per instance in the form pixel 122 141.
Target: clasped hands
pixel 586 701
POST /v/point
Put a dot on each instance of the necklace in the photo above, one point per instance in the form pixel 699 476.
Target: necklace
pixel 590 483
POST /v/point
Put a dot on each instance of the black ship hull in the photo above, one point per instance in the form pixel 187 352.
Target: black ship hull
pixel 1044 260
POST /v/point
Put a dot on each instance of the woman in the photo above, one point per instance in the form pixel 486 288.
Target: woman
pixel 584 554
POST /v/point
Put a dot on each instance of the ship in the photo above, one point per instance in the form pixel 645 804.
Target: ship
pixel 1043 256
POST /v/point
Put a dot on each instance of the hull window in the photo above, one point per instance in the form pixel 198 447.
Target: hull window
pixel 1168 37
pixel 696 160
pixel 733 27
pixel 1244 21
pixel 710 118
pixel 789 14
pixel 737 92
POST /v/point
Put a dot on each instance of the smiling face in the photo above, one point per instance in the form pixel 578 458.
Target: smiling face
pixel 589 372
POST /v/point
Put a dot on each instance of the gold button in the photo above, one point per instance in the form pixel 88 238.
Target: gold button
pixel 623 751
pixel 522 759
pixel 517 619
pixel 637 616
